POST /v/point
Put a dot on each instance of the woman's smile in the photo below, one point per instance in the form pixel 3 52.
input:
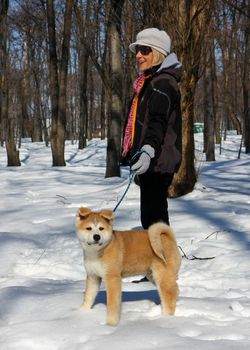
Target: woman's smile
pixel 144 62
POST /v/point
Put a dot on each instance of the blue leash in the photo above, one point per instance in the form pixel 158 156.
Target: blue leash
pixel 133 160
pixel 131 178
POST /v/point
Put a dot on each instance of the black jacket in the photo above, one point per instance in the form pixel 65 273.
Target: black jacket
pixel 158 120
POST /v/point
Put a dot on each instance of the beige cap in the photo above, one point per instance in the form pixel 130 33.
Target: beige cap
pixel 155 38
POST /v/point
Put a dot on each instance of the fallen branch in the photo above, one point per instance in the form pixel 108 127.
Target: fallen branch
pixel 195 257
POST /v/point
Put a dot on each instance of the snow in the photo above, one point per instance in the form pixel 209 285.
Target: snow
pixel 41 268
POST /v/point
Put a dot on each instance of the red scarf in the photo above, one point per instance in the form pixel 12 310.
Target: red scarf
pixel 130 128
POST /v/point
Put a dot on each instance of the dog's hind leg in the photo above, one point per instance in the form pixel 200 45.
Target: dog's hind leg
pixel 92 287
pixel 113 288
pixel 167 288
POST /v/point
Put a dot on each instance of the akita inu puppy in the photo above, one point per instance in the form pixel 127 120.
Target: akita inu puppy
pixel 111 255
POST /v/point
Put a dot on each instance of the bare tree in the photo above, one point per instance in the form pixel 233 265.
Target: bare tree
pixel 245 80
pixel 3 59
pixel 209 111
pixel 12 152
pixel 114 135
pixel 191 22
pixel 58 82
pixel 93 49
pixel 233 39
pixel 29 20
pixel 83 31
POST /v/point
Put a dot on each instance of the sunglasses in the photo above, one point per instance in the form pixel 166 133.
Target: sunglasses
pixel 144 50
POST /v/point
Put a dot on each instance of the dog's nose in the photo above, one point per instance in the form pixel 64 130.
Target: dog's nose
pixel 97 238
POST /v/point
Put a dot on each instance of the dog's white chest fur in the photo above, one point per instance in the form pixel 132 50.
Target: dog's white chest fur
pixel 93 266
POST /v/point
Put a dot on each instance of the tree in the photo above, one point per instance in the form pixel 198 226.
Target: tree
pixel 5 117
pixel 190 29
pixel 28 70
pixel 234 41
pixel 94 46
pixel 114 133
pixel 83 30
pixel 209 110
pixel 3 59
pixel 58 82
pixel 245 79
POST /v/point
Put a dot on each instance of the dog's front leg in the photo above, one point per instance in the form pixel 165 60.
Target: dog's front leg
pixel 92 287
pixel 113 288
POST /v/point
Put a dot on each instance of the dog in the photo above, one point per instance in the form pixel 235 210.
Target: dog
pixel 111 255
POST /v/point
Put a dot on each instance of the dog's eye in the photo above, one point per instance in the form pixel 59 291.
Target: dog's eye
pixel 101 228
pixel 89 228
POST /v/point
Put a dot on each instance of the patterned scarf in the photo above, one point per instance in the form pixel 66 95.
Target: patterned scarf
pixel 130 128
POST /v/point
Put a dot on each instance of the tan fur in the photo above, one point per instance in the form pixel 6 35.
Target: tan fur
pixel 111 255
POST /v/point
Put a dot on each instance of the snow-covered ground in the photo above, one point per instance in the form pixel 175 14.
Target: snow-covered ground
pixel 41 270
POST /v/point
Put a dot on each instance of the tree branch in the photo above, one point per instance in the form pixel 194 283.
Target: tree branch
pixel 242 10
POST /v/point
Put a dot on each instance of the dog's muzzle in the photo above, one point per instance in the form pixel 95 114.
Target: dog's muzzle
pixel 96 238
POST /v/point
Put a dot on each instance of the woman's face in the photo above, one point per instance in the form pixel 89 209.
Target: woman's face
pixel 144 58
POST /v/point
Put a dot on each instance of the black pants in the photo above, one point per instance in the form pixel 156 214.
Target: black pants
pixel 154 205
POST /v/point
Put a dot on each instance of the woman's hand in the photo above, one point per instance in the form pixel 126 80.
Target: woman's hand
pixel 142 164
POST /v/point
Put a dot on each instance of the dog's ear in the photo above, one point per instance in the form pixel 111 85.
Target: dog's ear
pixel 107 214
pixel 83 212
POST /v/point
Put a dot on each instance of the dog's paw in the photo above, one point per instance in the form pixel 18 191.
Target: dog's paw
pixel 168 310
pixel 85 307
pixel 112 321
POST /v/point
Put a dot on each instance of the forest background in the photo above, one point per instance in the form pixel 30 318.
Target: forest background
pixel 66 73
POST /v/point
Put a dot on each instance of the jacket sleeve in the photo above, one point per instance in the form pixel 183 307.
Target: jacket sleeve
pixel 160 105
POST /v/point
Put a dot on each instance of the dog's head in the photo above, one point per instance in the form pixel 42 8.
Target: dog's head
pixel 94 229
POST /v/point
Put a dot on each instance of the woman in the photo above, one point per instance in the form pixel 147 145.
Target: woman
pixel 152 137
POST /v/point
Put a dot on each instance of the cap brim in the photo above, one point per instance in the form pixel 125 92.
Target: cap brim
pixel 133 45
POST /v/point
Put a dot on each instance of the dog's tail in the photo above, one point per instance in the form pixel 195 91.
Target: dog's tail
pixel 162 240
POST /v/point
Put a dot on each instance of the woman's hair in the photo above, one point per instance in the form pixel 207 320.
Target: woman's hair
pixel 158 57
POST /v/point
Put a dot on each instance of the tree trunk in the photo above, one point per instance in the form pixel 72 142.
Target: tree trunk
pixel 83 78
pixel 5 118
pixel 90 121
pixel 83 69
pixel 12 152
pixel 246 70
pixel 185 179
pixel 208 108
pixel 54 83
pixel 103 114
pixel 114 139
pixel 193 19
pixel 217 118
pixel 25 123
pixel 58 87
pixel 63 81
pixel 37 135
pixel 35 95
pixel 4 5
